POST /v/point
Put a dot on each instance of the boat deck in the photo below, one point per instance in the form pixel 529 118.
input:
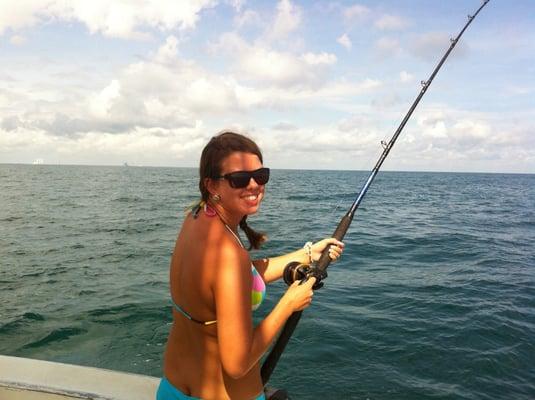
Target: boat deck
pixel 28 379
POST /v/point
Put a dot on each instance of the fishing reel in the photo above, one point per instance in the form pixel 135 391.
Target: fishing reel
pixel 295 271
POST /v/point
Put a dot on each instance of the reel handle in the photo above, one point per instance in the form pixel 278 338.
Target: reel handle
pixel 296 271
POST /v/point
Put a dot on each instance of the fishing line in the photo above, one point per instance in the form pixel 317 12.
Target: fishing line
pixel 302 272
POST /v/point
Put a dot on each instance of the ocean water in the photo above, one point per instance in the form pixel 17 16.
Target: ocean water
pixel 434 297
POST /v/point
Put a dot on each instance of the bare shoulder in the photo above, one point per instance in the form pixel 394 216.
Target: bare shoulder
pixel 218 247
pixel 231 258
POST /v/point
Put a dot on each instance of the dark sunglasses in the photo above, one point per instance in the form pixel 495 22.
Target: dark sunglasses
pixel 240 179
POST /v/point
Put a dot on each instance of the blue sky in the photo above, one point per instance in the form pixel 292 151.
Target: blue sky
pixel 317 83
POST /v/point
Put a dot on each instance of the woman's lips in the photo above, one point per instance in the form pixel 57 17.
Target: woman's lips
pixel 251 199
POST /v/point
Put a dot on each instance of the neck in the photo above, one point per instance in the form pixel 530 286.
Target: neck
pixel 232 220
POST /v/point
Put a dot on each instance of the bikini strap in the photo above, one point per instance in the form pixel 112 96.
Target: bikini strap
pixel 185 314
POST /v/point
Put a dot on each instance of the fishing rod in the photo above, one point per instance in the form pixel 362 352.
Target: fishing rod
pixel 302 272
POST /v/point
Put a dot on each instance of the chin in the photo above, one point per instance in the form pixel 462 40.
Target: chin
pixel 252 210
pixel 251 207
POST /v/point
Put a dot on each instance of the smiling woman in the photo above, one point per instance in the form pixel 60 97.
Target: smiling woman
pixel 213 350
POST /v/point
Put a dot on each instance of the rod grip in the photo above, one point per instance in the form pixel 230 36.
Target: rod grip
pixel 338 234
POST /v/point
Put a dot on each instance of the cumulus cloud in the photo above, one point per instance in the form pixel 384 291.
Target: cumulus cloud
pixel 144 145
pixel 10 123
pixel 430 45
pixel 356 12
pixel 460 131
pixel 319 58
pixel 17 40
pixel 518 90
pixel 387 47
pixel 323 139
pixel 237 4
pixel 247 18
pixel 123 19
pixel 284 126
pixel 260 63
pixel 163 106
pixel 405 77
pixel 344 41
pixel 387 100
pixel 165 91
pixel 391 22
pixel 433 128
pixel 160 92
pixel 287 20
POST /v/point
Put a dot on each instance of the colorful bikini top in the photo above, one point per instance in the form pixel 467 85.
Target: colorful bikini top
pixel 258 291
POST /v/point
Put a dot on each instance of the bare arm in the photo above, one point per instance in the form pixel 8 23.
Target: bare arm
pixel 271 269
pixel 241 346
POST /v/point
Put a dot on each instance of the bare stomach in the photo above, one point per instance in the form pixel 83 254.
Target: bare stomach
pixel 192 364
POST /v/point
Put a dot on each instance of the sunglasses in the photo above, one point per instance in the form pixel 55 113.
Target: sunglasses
pixel 240 179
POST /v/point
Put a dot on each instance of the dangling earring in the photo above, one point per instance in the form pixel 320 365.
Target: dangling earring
pixel 216 198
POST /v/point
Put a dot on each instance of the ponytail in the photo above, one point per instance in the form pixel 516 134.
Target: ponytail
pixel 255 238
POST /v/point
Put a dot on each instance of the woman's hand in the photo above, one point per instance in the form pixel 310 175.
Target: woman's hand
pixel 299 297
pixel 335 251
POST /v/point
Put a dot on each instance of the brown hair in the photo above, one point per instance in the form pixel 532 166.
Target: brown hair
pixel 217 149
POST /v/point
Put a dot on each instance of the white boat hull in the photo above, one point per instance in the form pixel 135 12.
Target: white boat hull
pixel 28 379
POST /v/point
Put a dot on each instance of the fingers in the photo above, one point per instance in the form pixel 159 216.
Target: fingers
pixel 335 249
pixel 310 282
pixel 334 241
pixel 301 294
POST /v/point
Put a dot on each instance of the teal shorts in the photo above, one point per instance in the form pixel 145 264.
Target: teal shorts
pixel 166 391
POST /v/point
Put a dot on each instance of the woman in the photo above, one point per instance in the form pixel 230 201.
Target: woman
pixel 213 350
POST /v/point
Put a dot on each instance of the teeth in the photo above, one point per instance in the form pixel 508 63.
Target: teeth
pixel 252 197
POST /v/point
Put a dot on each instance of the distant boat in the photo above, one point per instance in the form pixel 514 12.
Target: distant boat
pixel 125 164
pixel 38 161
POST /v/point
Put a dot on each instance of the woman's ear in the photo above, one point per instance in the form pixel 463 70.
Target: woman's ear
pixel 211 185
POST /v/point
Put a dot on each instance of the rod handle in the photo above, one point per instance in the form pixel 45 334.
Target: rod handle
pixel 338 234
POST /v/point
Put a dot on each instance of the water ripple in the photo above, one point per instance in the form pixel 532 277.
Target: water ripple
pixel 433 298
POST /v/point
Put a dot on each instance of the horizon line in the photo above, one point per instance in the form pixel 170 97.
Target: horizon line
pixel 125 165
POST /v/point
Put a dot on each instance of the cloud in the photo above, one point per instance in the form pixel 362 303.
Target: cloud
pixel 344 41
pixel 319 58
pixel 166 91
pixel 260 64
pixel 391 22
pixel 433 127
pixel 356 12
pixel 237 4
pixel 405 77
pixel 517 90
pixel 284 126
pixel 247 18
pixel 430 45
pixel 140 145
pixel 320 140
pixel 24 14
pixel 122 19
pixel 387 100
pixel 10 123
pixel 463 131
pixel 387 47
pixel 287 20
pixel 17 40
pixel 162 91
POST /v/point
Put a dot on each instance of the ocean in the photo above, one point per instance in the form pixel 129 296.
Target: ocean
pixel 434 297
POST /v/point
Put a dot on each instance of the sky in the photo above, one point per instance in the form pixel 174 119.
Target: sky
pixel 318 84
